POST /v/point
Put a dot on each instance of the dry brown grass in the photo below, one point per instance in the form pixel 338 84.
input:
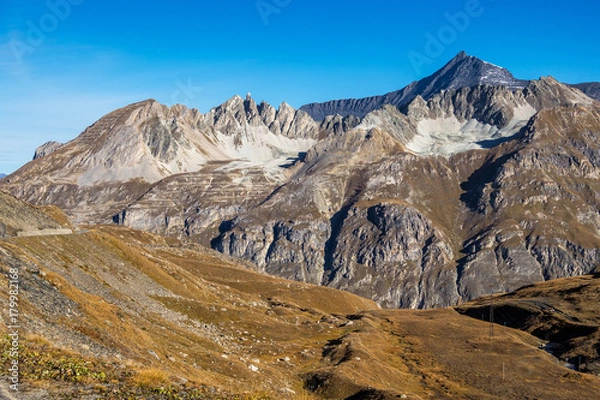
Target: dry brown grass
pixel 439 354
pixel 151 378
pixel 94 270
pixel 287 326
pixel 57 214
pixel 565 311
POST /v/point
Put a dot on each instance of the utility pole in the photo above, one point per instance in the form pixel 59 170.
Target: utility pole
pixel 491 316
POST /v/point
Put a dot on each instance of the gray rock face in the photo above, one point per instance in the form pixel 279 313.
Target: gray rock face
pixel 46 149
pixel 501 267
pixel 196 205
pixel 591 89
pixel 462 71
pixel 529 238
pixel 292 249
pixel 395 250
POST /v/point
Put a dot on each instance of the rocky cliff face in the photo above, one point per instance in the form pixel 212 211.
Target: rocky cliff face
pixel 539 204
pixel 468 191
pixel 395 250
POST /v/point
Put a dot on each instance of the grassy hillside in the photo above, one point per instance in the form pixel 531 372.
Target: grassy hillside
pixel 564 314
pixel 113 313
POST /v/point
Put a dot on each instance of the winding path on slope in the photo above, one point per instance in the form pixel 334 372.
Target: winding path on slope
pixel 47 232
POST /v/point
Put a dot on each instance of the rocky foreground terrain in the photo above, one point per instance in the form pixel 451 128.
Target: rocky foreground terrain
pixel 473 182
pixel 108 312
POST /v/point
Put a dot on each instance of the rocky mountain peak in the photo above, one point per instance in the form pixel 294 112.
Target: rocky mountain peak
pixel 145 110
pixel 417 108
pixel 461 71
pixel 46 149
pixel 267 112
pixel 147 105
pixel 461 55
pixel 233 103
pixel 465 71
pixel 251 108
pixel 286 110
pixel 547 92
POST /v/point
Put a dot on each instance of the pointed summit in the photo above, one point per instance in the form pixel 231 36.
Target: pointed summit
pixel 465 71
pixel 461 71
pixel 461 55
pixel 234 104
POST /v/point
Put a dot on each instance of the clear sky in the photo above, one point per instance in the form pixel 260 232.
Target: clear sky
pixel 65 63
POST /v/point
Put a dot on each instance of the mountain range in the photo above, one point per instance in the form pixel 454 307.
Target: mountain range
pixel 466 183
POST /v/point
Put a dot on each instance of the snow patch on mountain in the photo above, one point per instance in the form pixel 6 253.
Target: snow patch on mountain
pixel 448 136
pixel 259 145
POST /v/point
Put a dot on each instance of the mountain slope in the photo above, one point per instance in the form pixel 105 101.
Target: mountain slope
pixel 116 313
pixel 442 200
pixel 592 89
pixel 21 219
pixel 462 71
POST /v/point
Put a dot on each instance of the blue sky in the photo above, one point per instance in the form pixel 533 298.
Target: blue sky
pixel 65 63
